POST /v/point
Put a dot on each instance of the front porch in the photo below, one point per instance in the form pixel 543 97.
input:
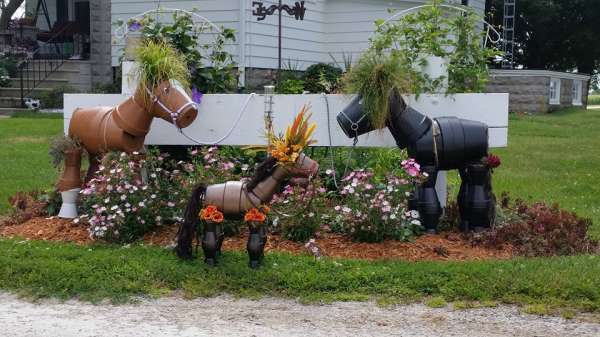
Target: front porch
pixel 52 39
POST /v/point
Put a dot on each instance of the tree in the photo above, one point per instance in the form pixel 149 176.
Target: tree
pixel 8 11
pixel 554 34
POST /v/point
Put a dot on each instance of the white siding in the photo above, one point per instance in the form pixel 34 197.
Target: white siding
pixel 351 23
pixel 329 26
pixel 220 12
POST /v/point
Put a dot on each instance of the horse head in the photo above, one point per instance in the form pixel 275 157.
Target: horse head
pixel 171 102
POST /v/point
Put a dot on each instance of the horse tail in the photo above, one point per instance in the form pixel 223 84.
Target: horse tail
pixel 187 229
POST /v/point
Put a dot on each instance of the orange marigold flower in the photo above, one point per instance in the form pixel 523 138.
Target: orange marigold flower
pixel 259 217
pixel 217 217
pixel 211 209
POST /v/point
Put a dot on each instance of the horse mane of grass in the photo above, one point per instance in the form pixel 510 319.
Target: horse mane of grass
pixel 157 62
pixel 375 77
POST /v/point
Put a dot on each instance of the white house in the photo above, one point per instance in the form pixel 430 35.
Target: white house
pixel 330 28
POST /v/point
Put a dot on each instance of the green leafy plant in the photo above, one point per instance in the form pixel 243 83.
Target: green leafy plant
pixel 52 199
pixel 159 62
pixel 434 31
pixel 54 98
pixel 210 66
pixel 312 201
pixel 321 77
pixel 4 78
pixel 291 86
pixel 10 64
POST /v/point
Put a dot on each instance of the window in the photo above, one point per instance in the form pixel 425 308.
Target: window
pixel 554 91
pixel 577 91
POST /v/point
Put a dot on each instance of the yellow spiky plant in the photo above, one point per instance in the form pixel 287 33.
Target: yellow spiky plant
pixel 286 148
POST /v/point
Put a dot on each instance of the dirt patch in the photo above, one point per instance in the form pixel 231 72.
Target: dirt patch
pixel 444 247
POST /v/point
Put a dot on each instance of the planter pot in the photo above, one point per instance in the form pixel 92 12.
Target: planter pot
pixel 210 243
pixel 132 117
pixel 68 210
pixel 98 131
pixel 255 246
pixel 353 120
pixel 71 176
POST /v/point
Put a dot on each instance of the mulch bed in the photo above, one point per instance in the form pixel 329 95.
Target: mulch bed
pixel 442 247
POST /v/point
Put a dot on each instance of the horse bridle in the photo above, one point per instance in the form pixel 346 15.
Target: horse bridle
pixel 173 114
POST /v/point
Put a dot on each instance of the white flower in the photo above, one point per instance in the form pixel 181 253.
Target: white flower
pixel 171 204
pixel 141 204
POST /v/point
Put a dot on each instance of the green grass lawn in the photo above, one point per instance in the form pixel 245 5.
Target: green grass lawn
pixel 24 161
pixel 554 158
pixel 42 269
pixel 594 100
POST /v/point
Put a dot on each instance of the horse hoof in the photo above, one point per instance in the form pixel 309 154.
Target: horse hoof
pixel 254 264
pixel 210 262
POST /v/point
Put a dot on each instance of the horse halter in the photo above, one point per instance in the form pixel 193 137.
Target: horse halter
pixel 173 114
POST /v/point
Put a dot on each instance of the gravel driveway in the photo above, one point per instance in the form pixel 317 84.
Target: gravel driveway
pixel 225 316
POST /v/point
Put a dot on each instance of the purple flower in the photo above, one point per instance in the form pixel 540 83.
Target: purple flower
pixel 197 95
pixel 134 25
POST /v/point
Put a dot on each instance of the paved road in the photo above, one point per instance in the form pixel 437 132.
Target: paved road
pixel 224 316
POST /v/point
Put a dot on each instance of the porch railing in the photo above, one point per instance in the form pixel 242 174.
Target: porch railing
pixel 37 65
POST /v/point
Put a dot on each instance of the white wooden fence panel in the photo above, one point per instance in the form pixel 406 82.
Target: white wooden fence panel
pixel 218 112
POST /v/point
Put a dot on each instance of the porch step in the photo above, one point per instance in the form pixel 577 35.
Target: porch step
pixel 10 102
pixel 68 65
pixel 16 92
pixel 50 82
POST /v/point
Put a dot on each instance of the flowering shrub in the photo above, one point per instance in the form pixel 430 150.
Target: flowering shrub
pixel 373 212
pixel 131 195
pixel 539 230
pixel 311 202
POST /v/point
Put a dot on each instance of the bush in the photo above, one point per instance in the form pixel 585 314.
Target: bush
pixel 133 194
pixel 291 86
pixel 321 77
pixel 10 65
pixel 107 88
pixel 305 211
pixel 540 230
pixel 4 78
pixel 372 212
pixel 53 99
pixel 186 37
